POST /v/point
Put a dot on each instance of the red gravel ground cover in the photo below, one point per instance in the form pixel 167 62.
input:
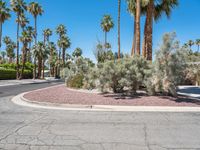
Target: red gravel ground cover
pixel 63 95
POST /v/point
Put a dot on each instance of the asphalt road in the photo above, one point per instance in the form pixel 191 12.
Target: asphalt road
pixel 35 129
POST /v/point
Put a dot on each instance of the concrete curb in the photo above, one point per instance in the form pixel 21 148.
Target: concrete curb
pixel 20 100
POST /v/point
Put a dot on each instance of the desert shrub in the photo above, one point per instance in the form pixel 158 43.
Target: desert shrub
pixel 75 81
pixel 91 79
pixel 168 68
pixel 110 75
pixel 76 72
pixel 135 72
pixel 124 74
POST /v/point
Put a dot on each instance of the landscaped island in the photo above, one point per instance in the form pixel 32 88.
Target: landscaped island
pixel 63 95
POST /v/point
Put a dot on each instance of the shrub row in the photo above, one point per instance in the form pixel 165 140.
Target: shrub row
pixel 28 66
pixel 6 74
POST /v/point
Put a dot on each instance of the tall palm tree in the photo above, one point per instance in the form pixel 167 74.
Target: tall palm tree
pixel 61 31
pixel 131 9
pixel 38 50
pixel 77 52
pixel 119 16
pixel 154 10
pixel 35 9
pixel 30 31
pixel 107 24
pixel 52 51
pixel 10 47
pixel 23 21
pixel 18 6
pixel 190 44
pixel 198 44
pixel 25 39
pixel 138 12
pixel 45 55
pixel 3 54
pixel 47 33
pixel 63 44
pixel 4 15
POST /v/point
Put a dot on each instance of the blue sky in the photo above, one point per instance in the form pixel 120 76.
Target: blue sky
pixel 82 19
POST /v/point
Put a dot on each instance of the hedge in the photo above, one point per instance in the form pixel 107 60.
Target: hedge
pixel 6 74
pixel 28 66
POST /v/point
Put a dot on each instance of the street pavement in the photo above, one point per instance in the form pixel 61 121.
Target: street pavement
pixel 28 128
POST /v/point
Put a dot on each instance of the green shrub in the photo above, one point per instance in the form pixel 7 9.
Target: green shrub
pixel 77 71
pixel 125 74
pixel 7 74
pixel 76 81
pixel 110 75
pixel 28 66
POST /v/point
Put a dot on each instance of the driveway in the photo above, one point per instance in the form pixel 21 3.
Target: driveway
pixel 28 128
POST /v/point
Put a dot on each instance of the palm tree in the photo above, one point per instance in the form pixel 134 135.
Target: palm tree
pixel 10 47
pixel 25 39
pixel 190 44
pixel 52 51
pixel 18 6
pixel 30 31
pixel 119 16
pixel 4 15
pixel 3 54
pixel 44 55
pixel 154 10
pixel 198 44
pixel 23 21
pixel 77 52
pixel 106 25
pixel 61 30
pixel 38 50
pixel 131 9
pixel 35 9
pixel 62 41
pixel 63 44
pixel 47 33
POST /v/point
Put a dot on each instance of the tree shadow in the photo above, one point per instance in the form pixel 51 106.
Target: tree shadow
pixel 183 99
pixel 123 96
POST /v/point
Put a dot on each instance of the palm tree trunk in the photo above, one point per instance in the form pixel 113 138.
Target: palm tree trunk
pixel 134 37
pixel 149 30
pixel 119 15
pixel 0 33
pixel 34 72
pixel 59 57
pixel 63 58
pixel 138 26
pixel 23 62
pixel 29 53
pixel 10 60
pixel 144 44
pixel 17 57
pixel 43 68
pixel 39 67
pixel 105 38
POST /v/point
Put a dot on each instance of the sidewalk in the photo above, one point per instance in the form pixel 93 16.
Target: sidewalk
pixel 26 81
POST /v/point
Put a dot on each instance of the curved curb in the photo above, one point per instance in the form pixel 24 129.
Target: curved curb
pixel 20 100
